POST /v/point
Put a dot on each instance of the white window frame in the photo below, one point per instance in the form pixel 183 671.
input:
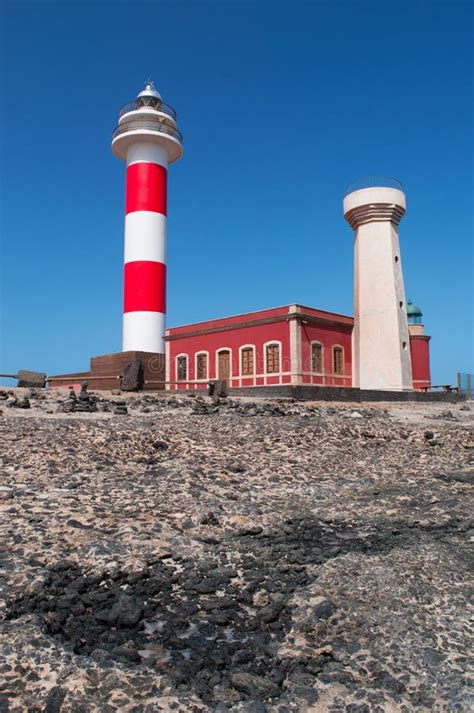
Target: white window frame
pixel 333 347
pixel 320 344
pixel 254 351
pixel 176 372
pixel 280 356
pixel 201 353
pixel 218 351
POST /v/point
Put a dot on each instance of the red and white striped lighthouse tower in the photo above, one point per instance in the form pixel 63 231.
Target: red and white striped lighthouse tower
pixel 148 140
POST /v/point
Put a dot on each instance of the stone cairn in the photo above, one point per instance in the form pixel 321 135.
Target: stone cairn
pixel 12 401
pixel 217 390
pixel 84 403
pixel 120 407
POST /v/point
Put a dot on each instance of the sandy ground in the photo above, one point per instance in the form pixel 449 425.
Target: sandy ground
pixel 251 555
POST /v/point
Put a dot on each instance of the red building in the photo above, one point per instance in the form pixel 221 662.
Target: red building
pixel 293 344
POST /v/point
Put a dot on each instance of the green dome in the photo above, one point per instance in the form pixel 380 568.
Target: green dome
pixel 413 309
pixel 414 313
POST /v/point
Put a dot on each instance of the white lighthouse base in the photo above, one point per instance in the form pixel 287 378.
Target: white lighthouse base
pixel 143 332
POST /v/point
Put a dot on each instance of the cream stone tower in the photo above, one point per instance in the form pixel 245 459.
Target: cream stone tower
pixel 381 342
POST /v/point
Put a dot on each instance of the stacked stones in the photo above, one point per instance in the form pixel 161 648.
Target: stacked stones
pixel 201 408
pixel 83 403
pixel 13 402
pixel 71 402
pixel 120 407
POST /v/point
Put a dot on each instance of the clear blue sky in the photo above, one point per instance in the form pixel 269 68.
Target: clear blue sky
pixel 281 105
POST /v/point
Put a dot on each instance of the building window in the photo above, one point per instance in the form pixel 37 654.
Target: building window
pixel 224 364
pixel 273 358
pixel 246 361
pixel 201 366
pixel 338 360
pixel 182 368
pixel 317 358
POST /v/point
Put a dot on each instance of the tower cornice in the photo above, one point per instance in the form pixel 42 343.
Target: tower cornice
pixel 373 213
pixel 374 204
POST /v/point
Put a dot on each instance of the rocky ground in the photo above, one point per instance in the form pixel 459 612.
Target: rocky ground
pixel 165 553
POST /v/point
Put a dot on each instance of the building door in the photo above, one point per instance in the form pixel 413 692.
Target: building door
pixel 224 366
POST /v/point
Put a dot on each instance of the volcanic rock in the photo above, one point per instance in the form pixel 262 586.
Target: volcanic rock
pixel 277 556
pixel 31 379
pixel 133 376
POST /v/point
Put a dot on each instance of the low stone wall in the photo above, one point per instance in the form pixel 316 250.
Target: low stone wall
pixel 339 393
pixel 107 369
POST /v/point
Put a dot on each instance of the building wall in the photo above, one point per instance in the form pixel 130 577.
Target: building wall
pixel 329 337
pixel 233 339
pixel 420 361
pixel 226 322
pixel 295 328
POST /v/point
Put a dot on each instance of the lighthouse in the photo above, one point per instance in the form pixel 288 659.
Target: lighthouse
pixel 148 140
pixel 419 348
pixel 381 343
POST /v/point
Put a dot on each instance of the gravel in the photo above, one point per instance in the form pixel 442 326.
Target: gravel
pixel 234 554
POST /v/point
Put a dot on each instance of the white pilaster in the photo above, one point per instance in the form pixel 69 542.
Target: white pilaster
pixel 295 346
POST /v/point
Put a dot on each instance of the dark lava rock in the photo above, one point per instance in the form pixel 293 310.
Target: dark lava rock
pixel 210 518
pixel 207 586
pixel 254 685
pixel 209 637
pixel 133 376
pixel 126 653
pixel 457 477
pixel 271 611
pixel 120 408
pixel 202 409
pixel 218 388
pixel 388 682
pixel 127 611
pixel 250 530
pixel 325 609
pixel 55 700
pixel 253 707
